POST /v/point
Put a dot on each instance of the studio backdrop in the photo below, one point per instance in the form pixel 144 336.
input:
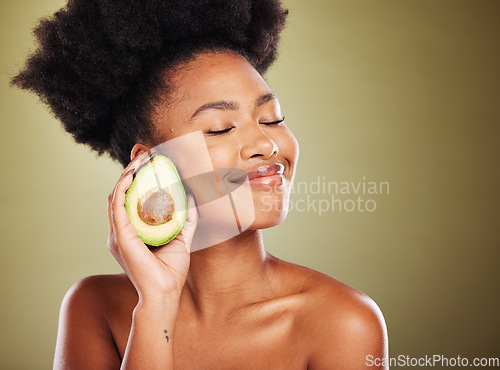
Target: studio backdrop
pixel 395 108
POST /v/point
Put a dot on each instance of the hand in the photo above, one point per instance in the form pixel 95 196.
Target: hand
pixel 158 274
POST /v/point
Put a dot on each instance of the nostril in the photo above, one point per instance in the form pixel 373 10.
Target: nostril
pixel 256 143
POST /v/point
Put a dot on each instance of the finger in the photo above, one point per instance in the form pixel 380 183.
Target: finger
pixel 126 173
pixel 117 199
pixel 189 228
pixel 113 242
pixel 186 235
pixel 119 225
pixel 129 170
pixel 182 242
pixel 118 211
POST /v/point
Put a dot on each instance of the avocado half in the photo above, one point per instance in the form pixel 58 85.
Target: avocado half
pixel 156 202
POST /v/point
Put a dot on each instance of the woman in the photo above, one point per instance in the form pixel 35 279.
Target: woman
pixel 125 77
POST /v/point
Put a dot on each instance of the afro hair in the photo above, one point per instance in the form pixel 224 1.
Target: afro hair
pixel 98 62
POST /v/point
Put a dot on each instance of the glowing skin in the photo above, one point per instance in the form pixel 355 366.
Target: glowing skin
pixel 225 97
pixel 232 305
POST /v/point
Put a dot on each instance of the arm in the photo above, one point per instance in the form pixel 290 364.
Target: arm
pixel 151 340
pixel 158 277
pixel 85 341
pixel 84 338
pixel 350 333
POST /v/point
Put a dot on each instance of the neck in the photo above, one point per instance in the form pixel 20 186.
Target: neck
pixel 227 276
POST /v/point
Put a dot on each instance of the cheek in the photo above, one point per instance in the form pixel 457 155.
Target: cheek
pixel 288 145
pixel 223 154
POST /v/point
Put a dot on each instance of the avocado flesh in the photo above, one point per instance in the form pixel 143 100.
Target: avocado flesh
pixel 156 202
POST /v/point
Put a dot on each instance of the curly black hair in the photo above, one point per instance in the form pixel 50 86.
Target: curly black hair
pixel 100 63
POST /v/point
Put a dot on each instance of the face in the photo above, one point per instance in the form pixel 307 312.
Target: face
pixel 222 95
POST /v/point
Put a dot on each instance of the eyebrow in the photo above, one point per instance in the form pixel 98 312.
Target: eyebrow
pixel 230 105
pixel 219 105
pixel 264 99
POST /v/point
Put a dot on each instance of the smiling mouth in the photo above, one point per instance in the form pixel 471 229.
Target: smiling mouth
pixel 268 175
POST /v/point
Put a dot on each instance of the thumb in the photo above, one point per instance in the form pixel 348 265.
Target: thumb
pixel 187 232
pixel 182 242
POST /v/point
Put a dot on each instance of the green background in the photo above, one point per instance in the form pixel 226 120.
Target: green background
pixel 405 92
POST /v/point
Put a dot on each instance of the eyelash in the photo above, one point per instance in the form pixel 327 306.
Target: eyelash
pixel 273 123
pixel 220 131
pixel 223 131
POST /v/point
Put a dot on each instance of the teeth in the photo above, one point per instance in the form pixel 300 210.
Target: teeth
pixel 263 171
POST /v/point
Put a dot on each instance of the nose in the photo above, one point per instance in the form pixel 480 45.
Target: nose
pixel 256 143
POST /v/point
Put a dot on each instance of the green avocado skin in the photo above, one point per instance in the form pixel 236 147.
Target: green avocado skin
pixel 160 171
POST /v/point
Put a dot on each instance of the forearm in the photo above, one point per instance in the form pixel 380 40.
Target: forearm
pixel 151 340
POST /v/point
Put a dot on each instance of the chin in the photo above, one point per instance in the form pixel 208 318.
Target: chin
pixel 269 212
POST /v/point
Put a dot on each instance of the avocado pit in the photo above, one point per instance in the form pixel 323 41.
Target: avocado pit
pixel 156 207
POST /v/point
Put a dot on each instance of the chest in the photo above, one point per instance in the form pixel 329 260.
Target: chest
pixel 268 345
pixel 257 343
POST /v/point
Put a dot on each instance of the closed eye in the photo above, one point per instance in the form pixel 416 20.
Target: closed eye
pixel 273 122
pixel 223 131
pixel 218 132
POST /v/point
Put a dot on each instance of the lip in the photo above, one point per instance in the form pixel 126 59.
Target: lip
pixel 267 175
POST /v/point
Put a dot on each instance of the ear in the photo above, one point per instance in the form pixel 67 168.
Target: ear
pixel 138 149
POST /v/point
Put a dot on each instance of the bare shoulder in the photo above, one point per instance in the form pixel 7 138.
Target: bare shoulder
pixel 99 291
pixel 341 324
pixel 84 338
